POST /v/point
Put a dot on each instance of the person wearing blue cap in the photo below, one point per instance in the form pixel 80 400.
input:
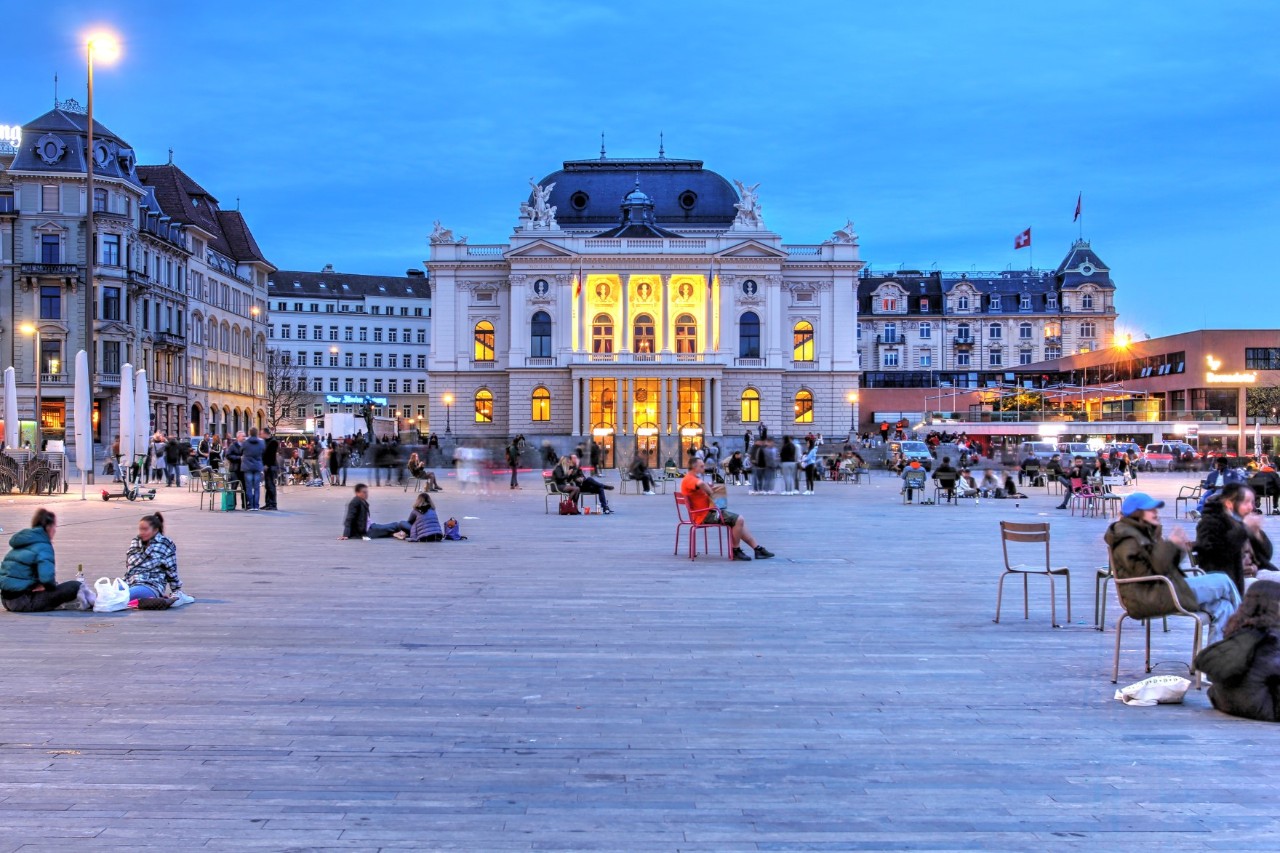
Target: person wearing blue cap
pixel 1138 549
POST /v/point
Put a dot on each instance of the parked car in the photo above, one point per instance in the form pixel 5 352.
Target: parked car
pixel 1078 448
pixel 1169 456
pixel 1042 450
pixel 1128 448
pixel 914 450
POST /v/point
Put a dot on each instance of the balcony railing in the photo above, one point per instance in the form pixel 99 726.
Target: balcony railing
pixel 539 361
pixel 50 269
pixel 750 362
pixel 804 365
pixel 55 378
pixel 888 340
pixel 172 339
pixel 109 380
pixel 1058 416
pixel 646 358
pixel 964 342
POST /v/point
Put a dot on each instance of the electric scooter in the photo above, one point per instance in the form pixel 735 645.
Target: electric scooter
pixel 131 483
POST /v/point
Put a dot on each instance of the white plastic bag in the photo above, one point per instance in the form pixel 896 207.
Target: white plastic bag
pixel 113 595
pixel 1157 690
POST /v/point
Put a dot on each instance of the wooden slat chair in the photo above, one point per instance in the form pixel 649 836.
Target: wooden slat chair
pixel 1032 532
pixel 1177 610
pixel 684 520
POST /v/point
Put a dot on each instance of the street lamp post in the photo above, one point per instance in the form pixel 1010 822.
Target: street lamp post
pixel 448 424
pixel 853 413
pixel 29 329
pixel 108 49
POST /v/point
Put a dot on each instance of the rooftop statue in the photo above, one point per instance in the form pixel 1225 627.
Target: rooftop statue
pixel 749 211
pixel 845 234
pixel 540 214
pixel 440 234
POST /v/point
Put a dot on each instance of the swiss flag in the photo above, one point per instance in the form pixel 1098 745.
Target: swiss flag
pixel 1023 240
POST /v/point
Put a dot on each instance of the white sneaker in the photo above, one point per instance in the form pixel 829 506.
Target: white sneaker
pixel 181 600
pixel 648 493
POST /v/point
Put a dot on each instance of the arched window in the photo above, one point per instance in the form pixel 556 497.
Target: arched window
pixel 226 338
pixel 749 340
pixel 541 404
pixel 802 341
pixel 602 334
pixel 483 350
pixel 1024 331
pixel 484 406
pixel 686 334
pixel 962 331
pixel 212 340
pixel 1087 330
pixel 750 404
pixel 1053 329
pixel 643 339
pixel 540 336
pixel 995 331
pixel 804 407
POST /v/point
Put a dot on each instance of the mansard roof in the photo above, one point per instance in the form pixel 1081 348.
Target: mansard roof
pixel 56 142
pixel 328 284
pixel 1083 266
pixel 191 204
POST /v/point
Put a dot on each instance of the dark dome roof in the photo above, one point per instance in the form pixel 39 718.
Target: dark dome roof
pixel 588 193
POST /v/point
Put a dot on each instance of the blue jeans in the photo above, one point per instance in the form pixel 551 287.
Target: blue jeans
pixel 171 473
pixel 1217 596
pixel 142 591
pixel 1204 498
pixel 252 487
pixel 383 531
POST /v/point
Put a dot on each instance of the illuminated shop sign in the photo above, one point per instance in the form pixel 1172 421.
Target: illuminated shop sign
pixel 354 400
pixel 11 134
pixel 1230 378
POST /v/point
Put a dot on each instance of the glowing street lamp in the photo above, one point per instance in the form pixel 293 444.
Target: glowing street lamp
pixel 852 397
pixel 448 424
pixel 106 47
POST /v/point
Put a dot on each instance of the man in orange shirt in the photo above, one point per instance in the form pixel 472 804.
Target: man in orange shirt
pixel 698 494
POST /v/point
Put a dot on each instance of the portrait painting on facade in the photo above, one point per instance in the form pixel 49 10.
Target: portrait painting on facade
pixel 540 287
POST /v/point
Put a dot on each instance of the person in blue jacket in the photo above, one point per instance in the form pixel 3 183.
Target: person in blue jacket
pixel 27 580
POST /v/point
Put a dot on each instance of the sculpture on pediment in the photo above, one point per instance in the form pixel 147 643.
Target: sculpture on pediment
pixel 540 214
pixel 749 210
pixel 845 234
pixel 442 235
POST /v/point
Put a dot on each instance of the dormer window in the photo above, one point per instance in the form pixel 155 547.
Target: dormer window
pixel 1086 301
pixel 924 305
pixel 962 303
pixel 995 302
pixel 1051 301
pixel 1024 304
pixel 888 305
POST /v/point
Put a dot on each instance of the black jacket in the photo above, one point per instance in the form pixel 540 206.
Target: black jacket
pixel 1245 669
pixel 271 456
pixel 172 452
pixel 356 524
pixel 1220 541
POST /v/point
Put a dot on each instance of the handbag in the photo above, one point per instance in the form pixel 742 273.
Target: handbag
pixel 113 595
pixel 568 507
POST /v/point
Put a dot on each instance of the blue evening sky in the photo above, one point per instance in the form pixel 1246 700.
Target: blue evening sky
pixel 941 128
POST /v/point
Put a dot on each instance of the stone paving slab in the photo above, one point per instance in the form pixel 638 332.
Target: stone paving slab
pixel 564 683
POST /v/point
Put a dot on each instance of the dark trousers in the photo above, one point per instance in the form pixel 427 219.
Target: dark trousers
pixel 514 470
pixel 37 602
pixel 384 531
pixel 592 486
pixel 269 476
pixel 238 477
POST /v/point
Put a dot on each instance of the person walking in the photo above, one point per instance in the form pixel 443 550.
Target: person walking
pixel 252 451
pixel 270 467
pixel 787 460
pixel 513 458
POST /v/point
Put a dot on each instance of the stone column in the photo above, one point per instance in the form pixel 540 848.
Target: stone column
pixel 705 415
pixel 626 315
pixel 664 332
pixel 577 407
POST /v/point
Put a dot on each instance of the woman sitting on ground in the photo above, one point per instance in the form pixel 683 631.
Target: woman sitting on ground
pixel 989 484
pixel 418 470
pixel 424 524
pixel 966 486
pixel 27 580
pixel 1245 666
pixel 152 565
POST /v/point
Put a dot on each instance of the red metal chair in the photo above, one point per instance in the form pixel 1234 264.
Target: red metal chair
pixel 683 519
pixel 1083 496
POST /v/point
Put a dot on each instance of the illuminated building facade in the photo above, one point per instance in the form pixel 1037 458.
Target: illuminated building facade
pixel 643 304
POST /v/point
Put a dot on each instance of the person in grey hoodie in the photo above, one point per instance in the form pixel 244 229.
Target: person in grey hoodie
pixel 251 468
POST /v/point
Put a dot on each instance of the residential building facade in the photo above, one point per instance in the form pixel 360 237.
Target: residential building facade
pixel 644 305
pixel 146 255
pixel 928 329
pixel 360 339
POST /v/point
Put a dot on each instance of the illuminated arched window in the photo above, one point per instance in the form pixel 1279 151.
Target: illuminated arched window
pixel 483 342
pixel 643 339
pixel 804 407
pixel 602 334
pixel 484 406
pixel 802 341
pixel 749 336
pixel 540 336
pixel 750 405
pixel 686 334
pixel 541 404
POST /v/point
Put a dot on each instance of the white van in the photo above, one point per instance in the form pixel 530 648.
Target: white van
pixel 1042 450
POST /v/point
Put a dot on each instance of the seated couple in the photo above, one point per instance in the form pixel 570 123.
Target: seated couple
pixel 423 524
pixel 570 480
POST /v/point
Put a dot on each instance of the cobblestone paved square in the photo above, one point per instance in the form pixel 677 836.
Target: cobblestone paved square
pixel 563 683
